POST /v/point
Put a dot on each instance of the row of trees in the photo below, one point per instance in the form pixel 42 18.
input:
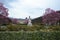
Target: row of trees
pixel 51 17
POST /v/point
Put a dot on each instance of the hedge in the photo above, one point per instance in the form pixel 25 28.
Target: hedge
pixel 17 27
pixel 29 35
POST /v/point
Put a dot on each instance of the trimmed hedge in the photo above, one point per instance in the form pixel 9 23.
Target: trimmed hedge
pixel 18 27
pixel 30 35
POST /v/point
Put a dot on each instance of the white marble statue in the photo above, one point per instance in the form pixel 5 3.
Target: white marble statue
pixel 29 22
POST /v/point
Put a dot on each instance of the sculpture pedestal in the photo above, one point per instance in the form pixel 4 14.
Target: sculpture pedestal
pixel 29 24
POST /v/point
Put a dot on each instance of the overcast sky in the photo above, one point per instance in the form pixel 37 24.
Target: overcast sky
pixel 33 8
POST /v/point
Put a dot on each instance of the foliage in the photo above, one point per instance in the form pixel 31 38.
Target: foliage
pixel 35 32
pixel 39 35
pixel 19 27
pixel 51 17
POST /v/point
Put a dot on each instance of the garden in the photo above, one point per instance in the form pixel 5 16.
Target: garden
pixel 24 32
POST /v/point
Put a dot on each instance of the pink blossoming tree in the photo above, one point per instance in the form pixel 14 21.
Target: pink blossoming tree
pixel 51 17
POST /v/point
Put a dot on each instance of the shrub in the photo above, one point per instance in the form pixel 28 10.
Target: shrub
pixel 28 35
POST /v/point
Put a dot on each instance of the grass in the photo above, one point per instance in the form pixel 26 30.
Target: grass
pixel 24 32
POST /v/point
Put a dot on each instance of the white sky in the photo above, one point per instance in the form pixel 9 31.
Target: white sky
pixel 33 8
